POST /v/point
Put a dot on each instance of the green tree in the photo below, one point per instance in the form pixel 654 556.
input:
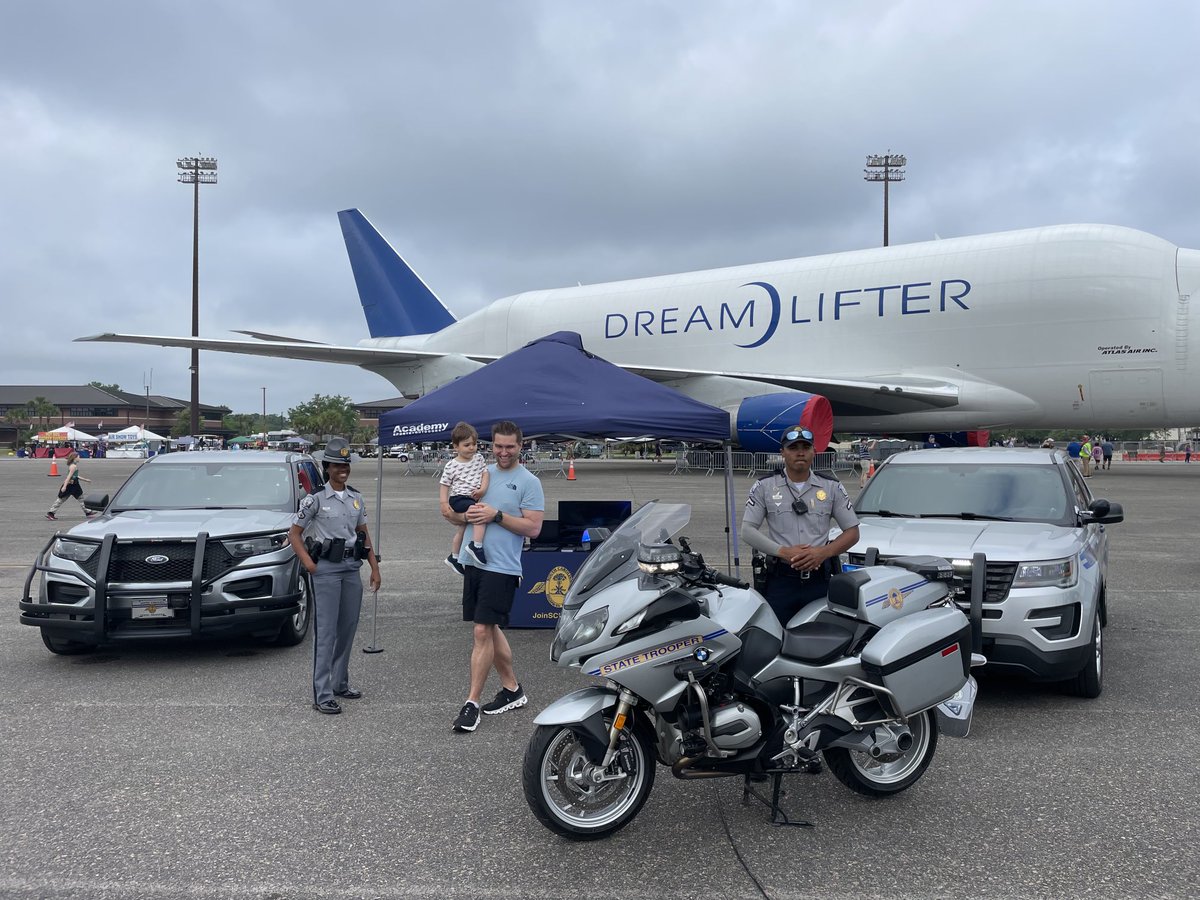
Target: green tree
pixel 183 422
pixel 18 418
pixel 363 434
pixel 324 416
pixel 243 423
pixel 41 410
pixel 110 388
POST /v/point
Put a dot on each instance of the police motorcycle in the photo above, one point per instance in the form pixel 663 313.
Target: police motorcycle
pixel 697 673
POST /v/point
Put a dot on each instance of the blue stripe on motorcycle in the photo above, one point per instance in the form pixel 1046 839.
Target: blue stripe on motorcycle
pixel 904 590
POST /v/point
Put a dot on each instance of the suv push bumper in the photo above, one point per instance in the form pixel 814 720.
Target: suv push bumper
pixel 1017 656
pixel 99 623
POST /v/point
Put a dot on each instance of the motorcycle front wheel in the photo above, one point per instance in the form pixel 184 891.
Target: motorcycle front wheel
pixel 893 772
pixel 562 790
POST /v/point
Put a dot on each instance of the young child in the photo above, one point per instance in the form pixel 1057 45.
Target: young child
pixel 464 480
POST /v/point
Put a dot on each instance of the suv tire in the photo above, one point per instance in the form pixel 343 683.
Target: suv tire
pixel 1089 682
pixel 294 628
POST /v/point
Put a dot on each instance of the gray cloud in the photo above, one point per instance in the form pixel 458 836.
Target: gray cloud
pixel 507 147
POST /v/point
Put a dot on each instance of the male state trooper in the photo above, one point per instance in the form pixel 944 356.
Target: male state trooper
pixel 333 525
pixel 797 505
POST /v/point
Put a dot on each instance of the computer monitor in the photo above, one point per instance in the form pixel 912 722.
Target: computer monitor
pixel 574 516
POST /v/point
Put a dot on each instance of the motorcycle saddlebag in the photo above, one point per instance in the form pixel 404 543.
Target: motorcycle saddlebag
pixel 922 658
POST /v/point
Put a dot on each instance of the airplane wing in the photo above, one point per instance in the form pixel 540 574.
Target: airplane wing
pixel 263 336
pixel 878 395
pixel 282 349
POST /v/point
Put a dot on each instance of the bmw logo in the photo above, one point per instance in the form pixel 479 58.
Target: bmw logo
pixel 702 654
pixel 158 559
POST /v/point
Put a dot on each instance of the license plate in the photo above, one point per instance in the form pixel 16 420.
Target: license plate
pixel 152 608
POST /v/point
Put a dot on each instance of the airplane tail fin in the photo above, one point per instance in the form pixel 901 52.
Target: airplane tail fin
pixel 395 301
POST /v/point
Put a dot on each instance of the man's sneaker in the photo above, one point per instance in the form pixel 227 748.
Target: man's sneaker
pixel 454 564
pixel 506 700
pixel 468 719
pixel 475 551
pixel 52 517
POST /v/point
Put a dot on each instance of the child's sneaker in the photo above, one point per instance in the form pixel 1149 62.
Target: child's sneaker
pixel 454 564
pixel 52 517
pixel 475 551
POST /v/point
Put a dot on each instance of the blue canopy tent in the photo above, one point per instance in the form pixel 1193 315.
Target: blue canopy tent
pixel 553 386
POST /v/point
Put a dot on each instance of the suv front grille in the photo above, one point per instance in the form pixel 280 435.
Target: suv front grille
pixel 999 577
pixel 128 562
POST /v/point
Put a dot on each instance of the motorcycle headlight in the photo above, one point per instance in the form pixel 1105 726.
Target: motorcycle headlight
pixel 241 548
pixel 1061 573
pixel 76 551
pixel 579 631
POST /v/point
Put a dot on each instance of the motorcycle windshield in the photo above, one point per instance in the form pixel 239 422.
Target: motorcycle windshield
pixel 616 559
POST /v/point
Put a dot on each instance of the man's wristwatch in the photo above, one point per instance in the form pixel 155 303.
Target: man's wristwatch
pixel 498 517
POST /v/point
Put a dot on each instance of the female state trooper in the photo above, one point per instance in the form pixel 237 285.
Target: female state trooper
pixel 333 525
pixel 797 505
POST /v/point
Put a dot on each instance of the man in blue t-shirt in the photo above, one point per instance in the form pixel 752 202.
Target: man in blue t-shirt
pixel 512 508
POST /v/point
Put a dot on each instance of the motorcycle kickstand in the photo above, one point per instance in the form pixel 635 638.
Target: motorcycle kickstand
pixel 778 817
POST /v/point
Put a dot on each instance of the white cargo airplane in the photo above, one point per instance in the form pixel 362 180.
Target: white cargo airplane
pixel 1073 326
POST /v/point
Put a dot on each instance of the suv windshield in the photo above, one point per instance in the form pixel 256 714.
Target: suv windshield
pixel 616 558
pixel 1022 493
pixel 205 485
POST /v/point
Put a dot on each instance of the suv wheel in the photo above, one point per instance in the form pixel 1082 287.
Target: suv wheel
pixel 63 646
pixel 295 627
pixel 1090 680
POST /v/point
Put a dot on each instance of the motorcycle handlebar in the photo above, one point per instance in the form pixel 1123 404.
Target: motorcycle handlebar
pixel 727 580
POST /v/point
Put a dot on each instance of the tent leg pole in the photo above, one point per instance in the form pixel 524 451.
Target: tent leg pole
pixel 374 647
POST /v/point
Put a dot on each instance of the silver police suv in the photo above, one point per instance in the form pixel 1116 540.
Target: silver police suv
pixel 192 544
pixel 1042 540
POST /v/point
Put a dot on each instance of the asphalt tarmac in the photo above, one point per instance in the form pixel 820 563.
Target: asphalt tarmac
pixel 200 770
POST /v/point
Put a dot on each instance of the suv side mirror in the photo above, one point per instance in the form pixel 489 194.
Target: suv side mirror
pixel 1104 512
pixel 95 502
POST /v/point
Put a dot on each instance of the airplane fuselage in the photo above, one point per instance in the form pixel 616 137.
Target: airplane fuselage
pixel 1083 326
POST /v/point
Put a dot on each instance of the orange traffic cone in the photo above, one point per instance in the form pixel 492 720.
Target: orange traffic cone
pixel 871 470
pixel 53 467
pixel 571 471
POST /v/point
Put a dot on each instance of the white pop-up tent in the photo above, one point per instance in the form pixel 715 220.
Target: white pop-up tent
pixel 134 433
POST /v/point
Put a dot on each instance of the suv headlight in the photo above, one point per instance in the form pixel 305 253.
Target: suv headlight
pixel 1061 573
pixel 76 551
pixel 240 548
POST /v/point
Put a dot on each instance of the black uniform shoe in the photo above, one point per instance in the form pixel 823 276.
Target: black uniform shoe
pixel 329 707
pixel 350 694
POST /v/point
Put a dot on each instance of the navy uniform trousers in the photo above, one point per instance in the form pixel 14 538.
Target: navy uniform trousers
pixel 787 594
pixel 337 600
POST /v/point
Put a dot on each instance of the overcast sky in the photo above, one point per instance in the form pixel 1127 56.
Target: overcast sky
pixel 509 146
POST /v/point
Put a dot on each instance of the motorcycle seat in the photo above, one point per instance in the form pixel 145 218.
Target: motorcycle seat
pixel 816 642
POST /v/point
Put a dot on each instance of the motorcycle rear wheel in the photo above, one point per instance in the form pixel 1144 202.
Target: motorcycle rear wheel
pixel 894 773
pixel 562 797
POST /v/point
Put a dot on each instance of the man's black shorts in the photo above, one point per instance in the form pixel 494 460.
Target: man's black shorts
pixel 488 596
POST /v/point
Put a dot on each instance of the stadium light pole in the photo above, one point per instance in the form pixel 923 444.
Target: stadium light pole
pixel 196 170
pixel 264 390
pixel 887 168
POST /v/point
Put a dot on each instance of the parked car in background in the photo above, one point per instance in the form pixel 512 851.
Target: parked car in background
pixel 191 544
pixel 1044 537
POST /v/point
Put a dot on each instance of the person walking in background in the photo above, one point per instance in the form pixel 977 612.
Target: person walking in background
pixel 1085 456
pixel 70 488
pixel 513 508
pixel 464 480
pixel 865 449
pixel 1106 451
pixel 1097 457
pixel 1187 452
